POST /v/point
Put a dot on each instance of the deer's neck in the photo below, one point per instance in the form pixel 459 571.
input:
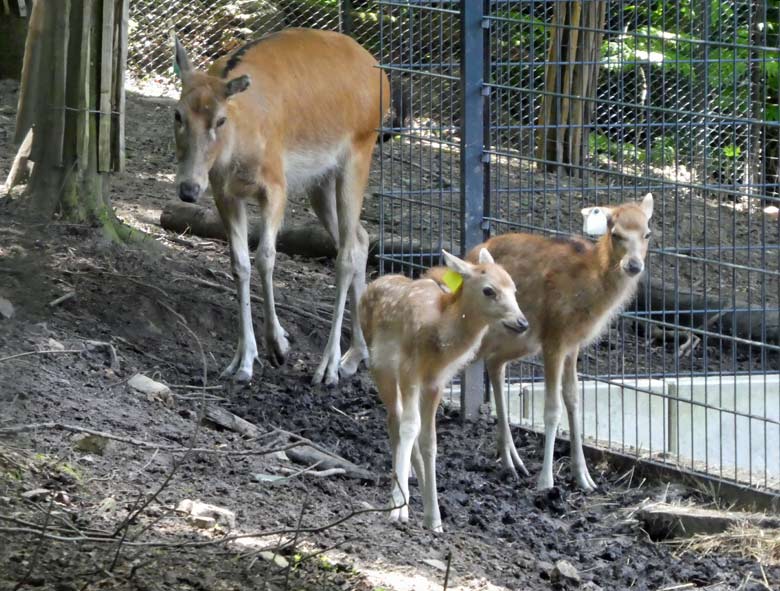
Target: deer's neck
pixel 459 329
pixel 614 283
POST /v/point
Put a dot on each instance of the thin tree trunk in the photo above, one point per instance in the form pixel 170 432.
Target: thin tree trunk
pixel 571 80
pixel 62 98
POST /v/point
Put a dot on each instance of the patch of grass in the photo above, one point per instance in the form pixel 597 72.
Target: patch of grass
pixel 747 541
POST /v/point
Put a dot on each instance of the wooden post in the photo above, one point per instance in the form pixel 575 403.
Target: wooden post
pixel 27 106
pixel 83 103
pixel 118 129
pixel 56 105
pixel 673 420
pixel 106 67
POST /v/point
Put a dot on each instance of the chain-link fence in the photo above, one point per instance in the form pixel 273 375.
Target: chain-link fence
pixel 212 28
pixel 531 110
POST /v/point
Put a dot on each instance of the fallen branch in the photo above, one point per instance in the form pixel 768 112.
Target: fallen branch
pixel 227 420
pixel 146 444
pixel 63 298
pixel 311 472
pixel 308 455
pixel 203 543
pixel 41 352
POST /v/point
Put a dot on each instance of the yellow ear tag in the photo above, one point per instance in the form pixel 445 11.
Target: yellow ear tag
pixel 453 280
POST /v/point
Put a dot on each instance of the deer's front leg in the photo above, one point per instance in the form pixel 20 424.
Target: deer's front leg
pixel 233 214
pixel 272 205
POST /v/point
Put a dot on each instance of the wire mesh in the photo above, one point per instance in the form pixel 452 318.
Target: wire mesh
pixel 683 100
pixel 212 28
pixel 420 171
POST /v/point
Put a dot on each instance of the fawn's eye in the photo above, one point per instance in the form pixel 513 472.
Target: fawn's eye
pixel 489 292
pixel 647 236
pixel 220 122
pixel 177 117
pixel 618 237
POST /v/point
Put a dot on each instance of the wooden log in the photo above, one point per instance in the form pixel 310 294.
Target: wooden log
pixel 755 325
pixel 663 521
pixel 106 72
pixel 309 240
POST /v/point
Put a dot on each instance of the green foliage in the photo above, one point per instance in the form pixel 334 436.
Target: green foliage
pixel 729 66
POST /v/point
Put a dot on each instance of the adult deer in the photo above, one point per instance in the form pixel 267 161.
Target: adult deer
pixel 419 337
pixel 295 110
pixel 569 289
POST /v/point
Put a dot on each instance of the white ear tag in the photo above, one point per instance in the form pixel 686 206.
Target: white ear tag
pixel 595 223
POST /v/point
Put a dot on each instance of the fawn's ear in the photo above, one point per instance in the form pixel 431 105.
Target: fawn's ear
pixel 456 264
pixel 485 258
pixel 647 205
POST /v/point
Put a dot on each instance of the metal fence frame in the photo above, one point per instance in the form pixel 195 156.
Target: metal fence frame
pixel 489 199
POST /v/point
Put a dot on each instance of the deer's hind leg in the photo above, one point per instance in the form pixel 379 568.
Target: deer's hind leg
pixel 388 387
pixel 350 266
pixel 429 403
pixel 322 197
pixel 571 398
pixel 510 459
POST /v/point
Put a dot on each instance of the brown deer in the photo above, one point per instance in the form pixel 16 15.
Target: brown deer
pixel 569 289
pixel 297 110
pixel 419 337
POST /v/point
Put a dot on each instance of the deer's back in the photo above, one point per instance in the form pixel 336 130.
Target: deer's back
pixel 309 86
pixel 560 286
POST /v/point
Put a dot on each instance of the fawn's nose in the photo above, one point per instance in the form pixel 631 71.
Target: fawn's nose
pixel 189 191
pixel 519 325
pixel 634 266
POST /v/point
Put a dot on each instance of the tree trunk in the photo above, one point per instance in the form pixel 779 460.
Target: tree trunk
pixel 68 104
pixel 571 80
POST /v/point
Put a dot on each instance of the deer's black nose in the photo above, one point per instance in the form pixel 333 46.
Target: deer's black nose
pixel 520 325
pixel 189 191
pixel 634 267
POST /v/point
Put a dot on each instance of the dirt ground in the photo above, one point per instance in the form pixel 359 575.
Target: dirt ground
pixel 142 300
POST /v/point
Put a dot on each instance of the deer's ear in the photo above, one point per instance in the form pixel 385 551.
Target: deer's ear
pixel 182 65
pixel 485 258
pixel 647 205
pixel 237 85
pixel 456 264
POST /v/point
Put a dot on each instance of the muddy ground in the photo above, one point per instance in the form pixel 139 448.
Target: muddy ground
pixel 142 300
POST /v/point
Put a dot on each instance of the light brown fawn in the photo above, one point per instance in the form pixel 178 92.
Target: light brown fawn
pixel 418 338
pixel 569 289
pixel 295 110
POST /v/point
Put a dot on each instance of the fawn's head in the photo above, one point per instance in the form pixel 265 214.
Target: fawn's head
pixel 488 289
pixel 628 229
pixel 201 121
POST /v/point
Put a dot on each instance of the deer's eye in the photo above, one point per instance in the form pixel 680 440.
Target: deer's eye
pixel 489 292
pixel 220 122
pixel 618 237
pixel 177 117
pixel 647 236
